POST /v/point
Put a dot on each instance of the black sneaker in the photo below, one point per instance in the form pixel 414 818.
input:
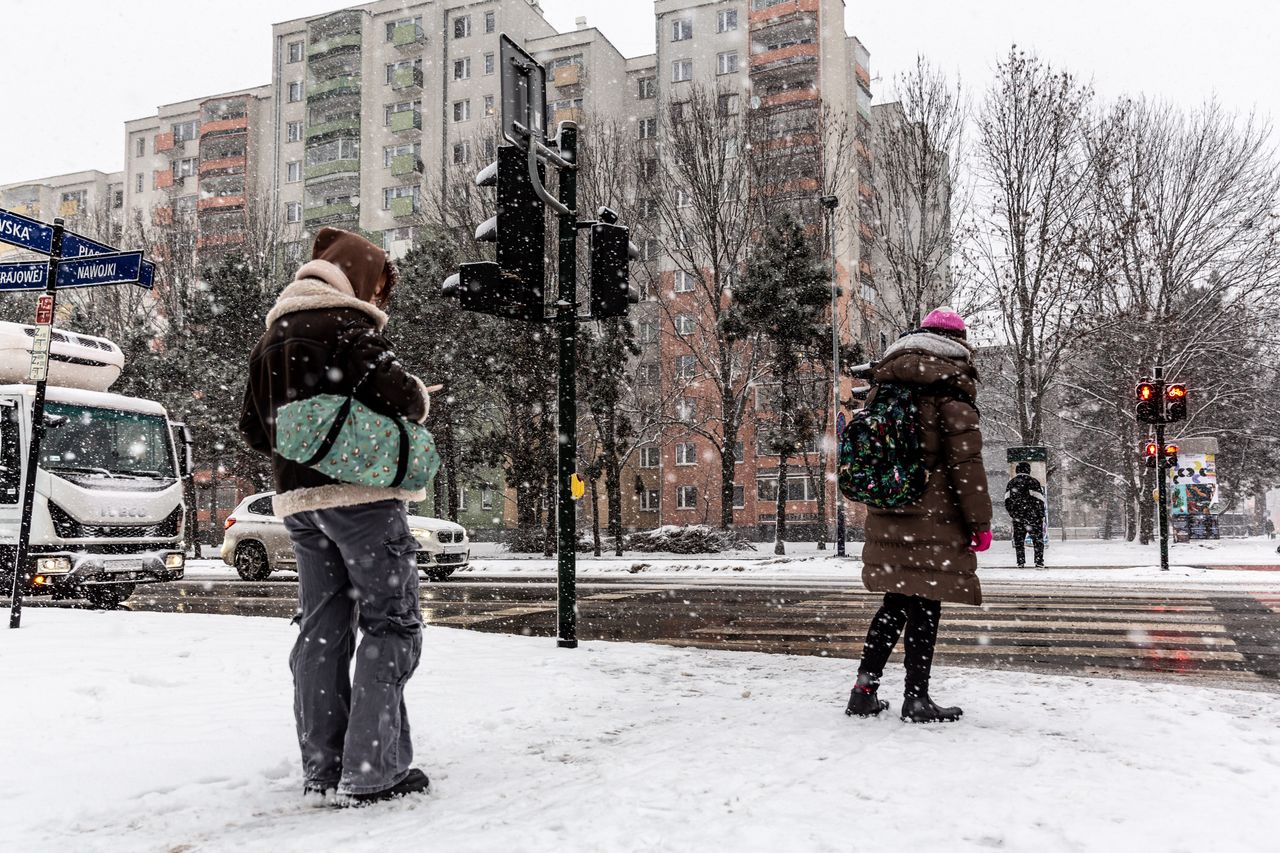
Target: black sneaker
pixel 416 782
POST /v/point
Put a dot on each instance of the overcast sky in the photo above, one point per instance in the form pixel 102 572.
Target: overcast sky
pixel 75 70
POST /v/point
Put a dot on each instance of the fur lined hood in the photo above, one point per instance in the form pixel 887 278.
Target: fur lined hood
pixel 318 285
pixel 930 343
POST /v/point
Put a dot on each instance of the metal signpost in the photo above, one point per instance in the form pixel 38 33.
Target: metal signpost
pixel 74 261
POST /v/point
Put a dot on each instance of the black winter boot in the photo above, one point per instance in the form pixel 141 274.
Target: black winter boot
pixel 919 708
pixel 863 701
pixel 414 783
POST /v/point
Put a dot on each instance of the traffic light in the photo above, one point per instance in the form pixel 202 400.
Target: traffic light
pixel 1150 402
pixel 1175 402
pixel 1171 456
pixel 513 286
pixel 1152 451
pixel 611 254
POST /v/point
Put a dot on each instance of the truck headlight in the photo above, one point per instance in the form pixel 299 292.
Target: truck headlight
pixel 53 565
pixel 174 561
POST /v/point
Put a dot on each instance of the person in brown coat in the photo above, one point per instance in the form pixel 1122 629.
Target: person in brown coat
pixel 923 554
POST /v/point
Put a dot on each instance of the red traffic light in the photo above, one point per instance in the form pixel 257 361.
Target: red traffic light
pixel 1146 391
pixel 1176 392
pixel 1171 450
pixel 1151 449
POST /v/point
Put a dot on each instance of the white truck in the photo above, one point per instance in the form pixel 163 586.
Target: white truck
pixel 109 508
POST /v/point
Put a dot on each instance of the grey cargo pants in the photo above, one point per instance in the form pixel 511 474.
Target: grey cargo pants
pixel 356 565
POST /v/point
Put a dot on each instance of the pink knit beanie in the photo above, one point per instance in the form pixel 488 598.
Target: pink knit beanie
pixel 944 320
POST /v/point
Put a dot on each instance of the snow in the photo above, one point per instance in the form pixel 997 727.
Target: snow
pixel 156 732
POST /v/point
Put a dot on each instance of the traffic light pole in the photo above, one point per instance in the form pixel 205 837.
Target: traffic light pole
pixel 1162 490
pixel 567 404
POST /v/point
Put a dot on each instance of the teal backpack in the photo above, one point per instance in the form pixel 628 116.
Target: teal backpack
pixel 881 455
pixel 343 438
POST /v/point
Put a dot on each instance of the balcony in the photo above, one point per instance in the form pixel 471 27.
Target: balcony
pixel 235 124
pixel 164 142
pixel 219 202
pixel 408 36
pixel 349 126
pixel 332 44
pixel 573 114
pixel 404 208
pixel 567 75
pixel 162 216
pixel 218 241
pixel 781 10
pixel 347 84
pixel 341 210
pixel 406 164
pixel 224 164
pixel 788 98
pixel 406 121
pixel 407 80
pixel 162 179
pixel 782 57
pixel 330 168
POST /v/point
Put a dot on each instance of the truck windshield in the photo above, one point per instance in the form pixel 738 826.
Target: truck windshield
pixel 90 440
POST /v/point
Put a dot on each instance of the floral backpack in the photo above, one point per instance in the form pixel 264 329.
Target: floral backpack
pixel 881 455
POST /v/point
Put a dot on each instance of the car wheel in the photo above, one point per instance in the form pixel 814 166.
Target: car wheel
pixel 437 575
pixel 251 562
pixel 107 596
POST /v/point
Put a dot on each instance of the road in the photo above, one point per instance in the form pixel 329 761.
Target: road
pixel 1218 636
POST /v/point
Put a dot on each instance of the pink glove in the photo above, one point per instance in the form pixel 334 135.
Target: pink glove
pixel 980 541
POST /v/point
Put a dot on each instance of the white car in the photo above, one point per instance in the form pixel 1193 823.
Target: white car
pixel 256 543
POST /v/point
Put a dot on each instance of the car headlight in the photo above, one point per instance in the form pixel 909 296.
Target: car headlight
pixel 53 565
pixel 420 533
pixel 174 561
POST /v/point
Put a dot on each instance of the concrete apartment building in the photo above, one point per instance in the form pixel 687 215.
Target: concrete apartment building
pixel 91 202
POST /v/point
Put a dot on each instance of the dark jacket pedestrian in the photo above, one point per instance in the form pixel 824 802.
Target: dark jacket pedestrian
pixel 1025 503
pixel 924 553
pixel 356 558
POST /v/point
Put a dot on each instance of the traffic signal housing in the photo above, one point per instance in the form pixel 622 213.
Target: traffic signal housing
pixel 1151 451
pixel 1150 402
pixel 1171 456
pixel 611 254
pixel 1175 402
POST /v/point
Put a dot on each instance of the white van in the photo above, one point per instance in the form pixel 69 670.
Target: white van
pixel 109 509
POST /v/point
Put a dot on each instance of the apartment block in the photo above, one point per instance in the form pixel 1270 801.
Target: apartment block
pixel 91 202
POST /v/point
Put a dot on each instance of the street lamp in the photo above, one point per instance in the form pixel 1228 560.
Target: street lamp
pixel 830 203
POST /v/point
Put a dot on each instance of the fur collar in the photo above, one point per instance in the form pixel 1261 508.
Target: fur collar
pixel 933 344
pixel 320 284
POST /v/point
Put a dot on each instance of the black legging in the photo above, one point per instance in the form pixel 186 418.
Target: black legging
pixel 920 617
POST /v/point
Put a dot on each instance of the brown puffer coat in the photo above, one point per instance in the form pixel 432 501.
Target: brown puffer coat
pixel 923 549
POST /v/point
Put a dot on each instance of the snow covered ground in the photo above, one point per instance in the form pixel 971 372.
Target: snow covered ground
pixel 154 732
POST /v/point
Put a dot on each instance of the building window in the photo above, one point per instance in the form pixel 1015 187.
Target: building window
pixel 295 91
pixel 737 452
pixel 681 70
pixel 727 105
pixel 140 146
pixel 488 105
pixel 647 332
pixel 391 152
pixel 397 235
pixel 486 497
pixel 392 109
pixel 647 373
pixel 462 68
pixel 649 500
pixel 687 497
pixel 462 498
pixel 684 282
pixel 185 205
pixel 392 26
pixel 488 63
pixel 649 168
pixel 739 496
pixel 293 211
pixel 686 367
pixel 293 131
pixel 186 130
pixel 462 26
pixel 117 199
pixel 648 128
pixel 461 152
pixel 490 22
pixel 727 21
pixel 727 63
pixel 686 453
pixel 682 29
pixel 393 67
pixel 684 239
pixel 648 88
pixel 293 171
pixel 138 183
pixel 391 193
pixel 686 410
pixel 184 167
pixel 462 110
pixel 798 489
pixel 295 51
pixel 684 198
pixel 650 457
pixel 649 252
pixel 490 148
pixel 684 324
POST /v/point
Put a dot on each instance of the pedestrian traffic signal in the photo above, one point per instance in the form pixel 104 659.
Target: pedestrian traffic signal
pixel 1175 402
pixel 513 287
pixel 1151 451
pixel 1150 403
pixel 611 254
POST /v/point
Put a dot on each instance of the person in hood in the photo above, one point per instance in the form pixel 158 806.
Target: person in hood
pixel 923 554
pixel 1024 501
pixel 356 558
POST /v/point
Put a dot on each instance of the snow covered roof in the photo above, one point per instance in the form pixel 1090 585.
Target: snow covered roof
pixel 99 399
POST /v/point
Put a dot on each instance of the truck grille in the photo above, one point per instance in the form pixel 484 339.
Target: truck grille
pixel 67 527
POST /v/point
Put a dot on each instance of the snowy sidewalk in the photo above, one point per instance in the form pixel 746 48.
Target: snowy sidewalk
pixel 152 732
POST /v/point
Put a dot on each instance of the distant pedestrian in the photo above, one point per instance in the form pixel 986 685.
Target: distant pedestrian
pixel 922 554
pixel 356 558
pixel 1024 501
pixel 1271 529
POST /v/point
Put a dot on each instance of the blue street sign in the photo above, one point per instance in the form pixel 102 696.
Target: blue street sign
pixel 841 423
pixel 24 232
pixel 24 276
pixel 76 246
pixel 119 268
